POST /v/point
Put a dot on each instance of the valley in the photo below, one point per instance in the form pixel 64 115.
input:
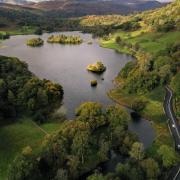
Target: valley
pixel 64 128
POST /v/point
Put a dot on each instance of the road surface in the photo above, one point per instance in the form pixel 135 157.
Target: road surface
pixel 174 128
pixel 172 120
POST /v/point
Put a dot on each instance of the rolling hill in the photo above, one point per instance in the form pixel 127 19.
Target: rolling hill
pixel 82 7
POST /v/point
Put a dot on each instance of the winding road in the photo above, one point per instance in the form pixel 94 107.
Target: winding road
pixel 174 128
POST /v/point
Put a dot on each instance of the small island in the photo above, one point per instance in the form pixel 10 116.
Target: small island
pixel 35 42
pixel 89 42
pixel 63 39
pixel 93 82
pixel 97 67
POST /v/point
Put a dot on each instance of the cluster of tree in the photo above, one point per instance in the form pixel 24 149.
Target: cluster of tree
pixel 23 93
pixel 129 26
pixel 39 20
pixel 175 84
pixel 63 39
pixel 138 104
pixel 166 26
pixel 101 26
pixel 78 147
pixel 98 31
pixel 140 167
pixel 38 31
pixel 163 19
pixel 89 21
pixel 150 71
pixel 34 42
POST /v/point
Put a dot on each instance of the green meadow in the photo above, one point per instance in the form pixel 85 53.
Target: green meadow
pixel 16 136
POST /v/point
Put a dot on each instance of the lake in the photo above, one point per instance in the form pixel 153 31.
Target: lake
pixel 66 65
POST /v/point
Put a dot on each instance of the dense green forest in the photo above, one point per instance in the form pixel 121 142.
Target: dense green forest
pixel 23 93
pixel 85 142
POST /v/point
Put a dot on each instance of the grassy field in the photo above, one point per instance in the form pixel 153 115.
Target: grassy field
pixel 14 137
pixel 149 42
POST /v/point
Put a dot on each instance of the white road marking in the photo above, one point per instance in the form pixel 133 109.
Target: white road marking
pixel 176 174
pixel 173 125
pixel 169 102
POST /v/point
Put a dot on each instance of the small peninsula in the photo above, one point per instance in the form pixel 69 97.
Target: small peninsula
pixel 64 39
pixel 97 67
pixel 35 42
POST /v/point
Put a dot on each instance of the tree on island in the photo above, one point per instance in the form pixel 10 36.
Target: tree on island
pixel 63 39
pixel 97 67
pixel 34 42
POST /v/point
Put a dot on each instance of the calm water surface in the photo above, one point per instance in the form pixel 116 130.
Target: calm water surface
pixel 66 64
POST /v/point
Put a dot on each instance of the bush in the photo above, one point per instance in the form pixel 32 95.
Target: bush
pixel 127 69
pixel 142 82
pixel 130 26
pixel 167 26
pixel 138 105
pixel 161 61
pixel 4 35
pixel 38 31
pixel 118 39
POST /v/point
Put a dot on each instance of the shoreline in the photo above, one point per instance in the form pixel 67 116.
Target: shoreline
pixel 158 120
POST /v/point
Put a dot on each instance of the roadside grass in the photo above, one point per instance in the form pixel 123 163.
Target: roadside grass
pixel 14 137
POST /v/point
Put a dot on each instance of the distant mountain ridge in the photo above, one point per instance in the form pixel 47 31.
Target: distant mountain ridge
pixel 90 7
pixel 98 7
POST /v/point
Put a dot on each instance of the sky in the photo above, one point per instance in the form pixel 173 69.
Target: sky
pixel 87 0
pixel 157 0
pixel 164 0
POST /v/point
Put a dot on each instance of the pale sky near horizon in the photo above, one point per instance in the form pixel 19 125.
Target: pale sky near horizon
pixel 165 0
pixel 157 0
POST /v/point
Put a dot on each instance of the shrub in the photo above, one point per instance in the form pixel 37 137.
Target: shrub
pixel 127 69
pixel 138 105
pixel 167 26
